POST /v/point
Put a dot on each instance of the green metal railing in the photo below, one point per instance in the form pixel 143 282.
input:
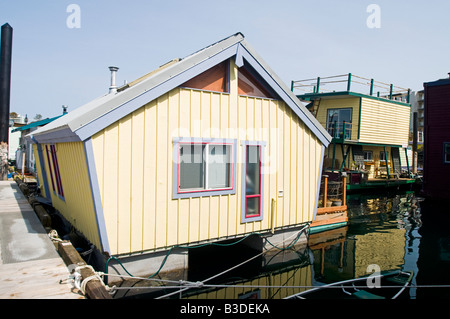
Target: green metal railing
pixel 351 83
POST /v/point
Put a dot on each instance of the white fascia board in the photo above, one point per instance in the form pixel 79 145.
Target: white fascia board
pixel 163 78
pixel 61 134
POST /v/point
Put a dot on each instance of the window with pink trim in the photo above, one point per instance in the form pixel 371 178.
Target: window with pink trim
pixel 55 175
pixel 253 181
pixel 204 168
pixel 50 167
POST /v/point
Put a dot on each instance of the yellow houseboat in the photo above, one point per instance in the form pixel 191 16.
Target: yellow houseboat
pixel 206 148
pixel 370 130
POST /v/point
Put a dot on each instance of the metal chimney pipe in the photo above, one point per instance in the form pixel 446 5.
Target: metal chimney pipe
pixel 113 87
pixel 5 81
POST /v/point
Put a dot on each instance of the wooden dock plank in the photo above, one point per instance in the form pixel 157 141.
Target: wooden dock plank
pixel 30 267
pixel 37 279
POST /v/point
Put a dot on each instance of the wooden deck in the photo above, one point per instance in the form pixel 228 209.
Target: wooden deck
pixel 30 266
pixel 328 217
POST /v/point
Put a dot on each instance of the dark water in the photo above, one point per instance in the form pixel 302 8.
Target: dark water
pixel 396 230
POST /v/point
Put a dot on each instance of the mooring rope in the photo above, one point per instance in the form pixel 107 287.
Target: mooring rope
pixel 300 232
pixel 298 235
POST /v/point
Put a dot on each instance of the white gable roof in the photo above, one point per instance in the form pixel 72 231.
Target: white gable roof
pixel 83 122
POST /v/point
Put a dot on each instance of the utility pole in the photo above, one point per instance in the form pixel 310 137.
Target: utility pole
pixel 5 91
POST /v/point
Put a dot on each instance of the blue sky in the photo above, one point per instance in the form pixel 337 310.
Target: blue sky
pixel 55 65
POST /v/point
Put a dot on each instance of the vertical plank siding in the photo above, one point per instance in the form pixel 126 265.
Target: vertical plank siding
pixel 77 205
pixel 39 169
pixel 133 158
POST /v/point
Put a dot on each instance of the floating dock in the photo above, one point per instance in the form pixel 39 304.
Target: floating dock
pixel 30 267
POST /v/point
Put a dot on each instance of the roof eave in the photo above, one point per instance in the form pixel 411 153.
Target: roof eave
pixel 118 105
pixel 58 135
pixel 153 87
pixel 437 83
pixel 119 99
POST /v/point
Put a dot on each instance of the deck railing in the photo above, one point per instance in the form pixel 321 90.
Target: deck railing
pixel 354 83
pixel 332 197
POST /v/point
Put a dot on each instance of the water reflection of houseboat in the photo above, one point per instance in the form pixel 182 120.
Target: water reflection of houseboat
pixel 273 275
pixel 288 269
pixel 283 273
pixel 328 251
pixel 377 235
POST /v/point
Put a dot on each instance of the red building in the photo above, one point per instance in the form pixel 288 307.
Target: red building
pixel 436 174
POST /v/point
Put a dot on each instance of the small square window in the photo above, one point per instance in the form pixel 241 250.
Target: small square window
pixel 368 156
pixel 192 164
pixel 339 123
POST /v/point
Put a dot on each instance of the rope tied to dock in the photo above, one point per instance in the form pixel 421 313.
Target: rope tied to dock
pixel 53 235
pixel 76 279
pixel 303 230
pixel 200 284
pixel 186 285
pixel 86 280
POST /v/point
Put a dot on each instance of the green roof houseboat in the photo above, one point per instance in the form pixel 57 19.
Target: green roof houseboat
pixel 370 130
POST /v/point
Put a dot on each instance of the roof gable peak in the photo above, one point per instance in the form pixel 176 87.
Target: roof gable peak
pixel 100 113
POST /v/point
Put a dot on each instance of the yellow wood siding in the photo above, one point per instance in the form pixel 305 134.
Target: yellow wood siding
pixel 39 169
pixel 133 158
pixel 77 205
pixel 384 122
pixel 340 103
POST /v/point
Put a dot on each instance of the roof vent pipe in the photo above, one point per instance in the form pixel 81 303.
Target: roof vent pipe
pixel 113 87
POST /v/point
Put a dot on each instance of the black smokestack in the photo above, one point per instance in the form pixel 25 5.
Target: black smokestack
pixel 5 80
